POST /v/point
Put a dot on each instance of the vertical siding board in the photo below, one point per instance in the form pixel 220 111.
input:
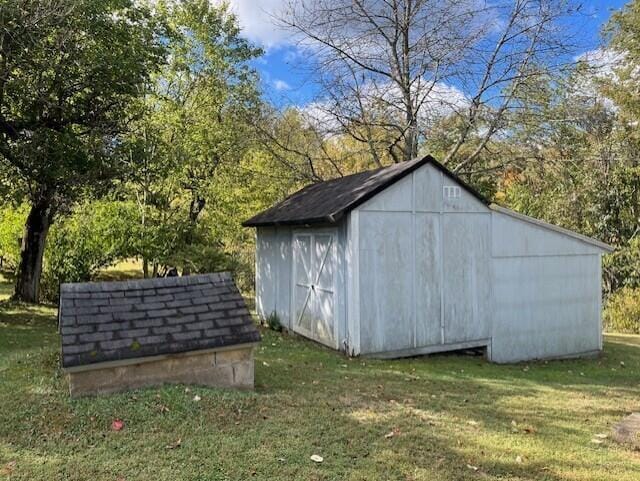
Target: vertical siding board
pixel 265 279
pixel 353 283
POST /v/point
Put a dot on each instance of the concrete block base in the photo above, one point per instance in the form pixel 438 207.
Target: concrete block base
pixel 229 367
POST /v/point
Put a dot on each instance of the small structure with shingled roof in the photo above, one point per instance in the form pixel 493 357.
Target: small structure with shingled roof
pixel 129 334
pixel 408 259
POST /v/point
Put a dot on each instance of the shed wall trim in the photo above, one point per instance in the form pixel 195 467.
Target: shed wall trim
pixel 161 357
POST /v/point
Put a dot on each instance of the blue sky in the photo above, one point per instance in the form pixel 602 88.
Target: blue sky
pixel 285 84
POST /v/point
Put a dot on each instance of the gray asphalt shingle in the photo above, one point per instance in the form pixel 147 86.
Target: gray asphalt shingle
pixel 327 202
pixel 108 321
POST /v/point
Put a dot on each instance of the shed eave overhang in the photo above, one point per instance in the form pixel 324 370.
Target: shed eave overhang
pixel 329 219
pixel 158 357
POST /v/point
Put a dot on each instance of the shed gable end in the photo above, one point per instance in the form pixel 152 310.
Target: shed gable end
pixel 427 189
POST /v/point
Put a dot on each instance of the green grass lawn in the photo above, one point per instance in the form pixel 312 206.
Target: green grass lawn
pixel 434 418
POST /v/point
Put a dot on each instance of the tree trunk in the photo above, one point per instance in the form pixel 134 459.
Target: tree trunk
pixel 32 250
pixel 195 208
pixel 145 267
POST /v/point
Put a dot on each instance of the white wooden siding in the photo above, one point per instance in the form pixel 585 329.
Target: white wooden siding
pixel 417 272
pixel 415 290
pixel 436 271
pixel 546 306
pixel 273 273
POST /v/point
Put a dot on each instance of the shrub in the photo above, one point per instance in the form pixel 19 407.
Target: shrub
pixel 622 312
pixel 93 236
pixel 273 322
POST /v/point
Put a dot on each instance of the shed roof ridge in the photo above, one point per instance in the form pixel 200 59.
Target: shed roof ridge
pixel 330 200
pixel 148 283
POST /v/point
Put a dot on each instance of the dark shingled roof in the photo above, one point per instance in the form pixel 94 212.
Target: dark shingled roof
pixel 327 202
pixel 108 321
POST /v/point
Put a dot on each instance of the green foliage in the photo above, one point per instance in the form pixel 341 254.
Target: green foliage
pixel 622 312
pixel 273 322
pixel 11 228
pixel 70 71
pixel 93 236
pixel 193 126
pixel 623 32
pixel 623 265
pixel 241 190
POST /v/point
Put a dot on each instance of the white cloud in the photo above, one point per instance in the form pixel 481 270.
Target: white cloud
pixel 602 61
pixel 281 85
pixel 257 22
pixel 438 101
pixel 602 64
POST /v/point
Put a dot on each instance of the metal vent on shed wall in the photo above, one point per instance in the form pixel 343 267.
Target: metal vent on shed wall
pixel 451 192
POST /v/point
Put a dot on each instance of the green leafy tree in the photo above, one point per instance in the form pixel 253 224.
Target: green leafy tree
pixel 93 236
pixel 11 226
pixel 623 34
pixel 69 70
pixel 196 120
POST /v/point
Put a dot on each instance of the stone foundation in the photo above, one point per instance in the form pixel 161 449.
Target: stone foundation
pixel 229 367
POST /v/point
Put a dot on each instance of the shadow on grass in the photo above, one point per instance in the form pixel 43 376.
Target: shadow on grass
pixel 29 315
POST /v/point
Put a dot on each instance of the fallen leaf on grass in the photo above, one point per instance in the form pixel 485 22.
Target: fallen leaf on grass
pixel 175 444
pixel 197 398
pixel 519 459
pixel 601 436
pixel 392 433
pixel 117 425
pixel 597 441
pixel 473 468
pixel 8 468
pixel 316 459
pixel 472 423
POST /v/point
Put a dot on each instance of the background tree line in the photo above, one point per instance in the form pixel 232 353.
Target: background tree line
pixel 133 129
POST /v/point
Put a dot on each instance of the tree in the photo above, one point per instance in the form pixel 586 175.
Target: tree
pixel 195 120
pixel 389 70
pixel 623 34
pixel 69 70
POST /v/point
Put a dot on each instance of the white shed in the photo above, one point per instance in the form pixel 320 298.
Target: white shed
pixel 409 260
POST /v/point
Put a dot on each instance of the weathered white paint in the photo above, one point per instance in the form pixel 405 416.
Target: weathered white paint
pixel 546 306
pixel 514 237
pixel 352 286
pixel 314 286
pixel 467 277
pixel 273 273
pixel 417 271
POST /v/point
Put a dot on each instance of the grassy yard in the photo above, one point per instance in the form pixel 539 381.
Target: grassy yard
pixel 436 418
